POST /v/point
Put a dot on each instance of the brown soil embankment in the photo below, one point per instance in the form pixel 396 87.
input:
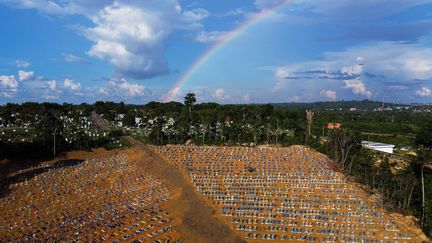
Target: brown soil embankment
pixel 198 222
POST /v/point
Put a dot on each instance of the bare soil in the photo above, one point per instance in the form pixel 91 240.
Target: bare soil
pixel 197 220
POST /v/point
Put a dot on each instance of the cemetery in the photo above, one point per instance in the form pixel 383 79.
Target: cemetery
pixel 294 194
pixel 102 199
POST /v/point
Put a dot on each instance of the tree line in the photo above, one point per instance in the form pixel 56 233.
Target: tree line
pixel 406 191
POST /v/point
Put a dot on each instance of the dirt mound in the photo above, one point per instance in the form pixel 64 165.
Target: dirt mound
pixel 197 222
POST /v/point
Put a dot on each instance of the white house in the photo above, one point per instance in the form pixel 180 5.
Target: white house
pixel 382 147
pixel 138 120
pixel 119 119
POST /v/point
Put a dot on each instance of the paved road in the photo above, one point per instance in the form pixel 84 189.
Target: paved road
pixel 199 223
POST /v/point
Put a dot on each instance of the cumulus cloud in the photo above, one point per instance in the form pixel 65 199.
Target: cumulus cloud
pixel 23 75
pixel 375 66
pixel 71 84
pixel 130 35
pixel 329 94
pixel 424 91
pixel 357 87
pixel 9 85
pixel 210 37
pixel 123 88
pixel 281 74
pixel 196 15
pixel 130 39
pixel 220 94
pixel 52 85
pixel 8 82
pixel 22 64
pixel 354 70
pixel 392 60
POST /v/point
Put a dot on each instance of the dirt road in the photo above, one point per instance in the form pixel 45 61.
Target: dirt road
pixel 198 222
pixel 99 121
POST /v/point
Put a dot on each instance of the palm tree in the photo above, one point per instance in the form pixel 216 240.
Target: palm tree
pixel 424 158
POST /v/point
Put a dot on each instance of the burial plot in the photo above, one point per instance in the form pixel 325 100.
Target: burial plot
pixel 276 194
pixel 109 199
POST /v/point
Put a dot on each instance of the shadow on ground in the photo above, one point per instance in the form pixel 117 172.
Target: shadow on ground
pixel 6 180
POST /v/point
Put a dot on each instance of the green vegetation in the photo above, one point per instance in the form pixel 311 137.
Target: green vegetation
pixel 398 182
pixel 41 131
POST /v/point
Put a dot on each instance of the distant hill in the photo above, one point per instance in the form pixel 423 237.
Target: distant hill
pixel 344 105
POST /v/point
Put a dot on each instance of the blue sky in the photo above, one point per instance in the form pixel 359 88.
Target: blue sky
pixel 136 51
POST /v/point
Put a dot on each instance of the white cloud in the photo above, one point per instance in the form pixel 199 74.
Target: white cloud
pixel 295 99
pixel 7 95
pixel 9 85
pixel 357 87
pixel 73 58
pixel 378 67
pixel 220 94
pixel 8 82
pixel 419 67
pixel 196 15
pixel 329 94
pixel 356 69
pixel 393 60
pixel 52 85
pixel 72 85
pixel 23 75
pixel 210 37
pixel 131 39
pixel 233 12
pixel 397 87
pixel 280 74
pixel 50 97
pixel 123 88
pixel 130 35
pixel 22 64
pixel 47 6
pixel 424 91
pixel 174 94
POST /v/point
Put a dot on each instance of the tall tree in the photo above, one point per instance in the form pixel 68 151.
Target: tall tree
pixel 206 120
pixel 189 101
pixel 424 158
pixel 309 116
pixel 342 142
pixel 50 128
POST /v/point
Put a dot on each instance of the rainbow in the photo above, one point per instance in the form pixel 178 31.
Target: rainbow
pixel 227 38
